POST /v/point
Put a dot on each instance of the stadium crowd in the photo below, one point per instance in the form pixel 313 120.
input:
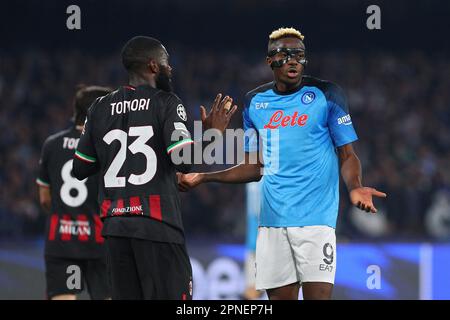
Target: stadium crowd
pixel 399 102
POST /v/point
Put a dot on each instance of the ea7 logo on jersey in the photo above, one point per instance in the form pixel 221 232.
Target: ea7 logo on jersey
pixel 345 120
pixel 181 111
pixel 261 105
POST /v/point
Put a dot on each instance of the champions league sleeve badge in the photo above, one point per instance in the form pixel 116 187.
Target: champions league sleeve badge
pixel 181 112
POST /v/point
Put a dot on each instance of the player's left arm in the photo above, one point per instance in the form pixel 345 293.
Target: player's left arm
pixel 45 198
pixel 360 196
pixel 43 179
pixel 343 134
pixel 85 162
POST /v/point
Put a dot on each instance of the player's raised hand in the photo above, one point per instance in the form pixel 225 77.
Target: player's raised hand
pixel 362 198
pixel 220 114
pixel 188 181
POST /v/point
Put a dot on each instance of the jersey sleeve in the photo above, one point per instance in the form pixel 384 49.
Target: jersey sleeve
pixel 339 119
pixel 85 157
pixel 176 134
pixel 251 134
pixel 43 178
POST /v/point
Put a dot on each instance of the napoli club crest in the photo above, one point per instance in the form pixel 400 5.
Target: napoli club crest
pixel 308 97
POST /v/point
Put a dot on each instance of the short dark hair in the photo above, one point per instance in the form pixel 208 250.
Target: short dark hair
pixel 84 97
pixel 137 52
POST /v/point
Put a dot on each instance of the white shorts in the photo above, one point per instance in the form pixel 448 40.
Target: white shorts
pixel 295 254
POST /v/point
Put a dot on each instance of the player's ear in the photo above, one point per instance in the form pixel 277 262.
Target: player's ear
pixel 153 66
pixel 269 61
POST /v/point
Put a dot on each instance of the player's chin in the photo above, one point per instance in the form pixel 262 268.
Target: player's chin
pixel 291 77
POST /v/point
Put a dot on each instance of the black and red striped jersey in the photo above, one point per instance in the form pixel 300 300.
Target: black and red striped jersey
pixel 73 227
pixel 128 137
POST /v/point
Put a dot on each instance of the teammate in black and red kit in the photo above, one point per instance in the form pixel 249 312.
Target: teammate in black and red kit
pixel 129 137
pixel 73 226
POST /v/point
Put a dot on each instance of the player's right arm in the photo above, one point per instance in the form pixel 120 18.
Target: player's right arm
pixel 43 179
pixel 85 158
pixel 242 173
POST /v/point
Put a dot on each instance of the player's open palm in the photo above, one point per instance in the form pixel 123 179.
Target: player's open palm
pixel 362 198
pixel 220 114
pixel 188 181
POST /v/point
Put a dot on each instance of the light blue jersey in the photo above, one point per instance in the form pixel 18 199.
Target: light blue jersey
pixel 298 133
pixel 253 191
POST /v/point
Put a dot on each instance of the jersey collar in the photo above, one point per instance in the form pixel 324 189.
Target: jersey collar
pixel 285 93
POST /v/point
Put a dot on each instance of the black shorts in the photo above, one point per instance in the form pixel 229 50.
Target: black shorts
pixel 61 277
pixel 145 269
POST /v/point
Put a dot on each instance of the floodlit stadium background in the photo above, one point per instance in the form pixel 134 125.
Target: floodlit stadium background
pixel 397 80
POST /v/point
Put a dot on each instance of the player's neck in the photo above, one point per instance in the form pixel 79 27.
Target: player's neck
pixel 285 87
pixel 79 127
pixel 138 80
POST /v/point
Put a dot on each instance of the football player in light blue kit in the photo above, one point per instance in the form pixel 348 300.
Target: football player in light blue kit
pixel 253 192
pixel 302 127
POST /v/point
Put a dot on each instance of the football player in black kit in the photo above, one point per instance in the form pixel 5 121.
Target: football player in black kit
pixel 129 137
pixel 73 226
